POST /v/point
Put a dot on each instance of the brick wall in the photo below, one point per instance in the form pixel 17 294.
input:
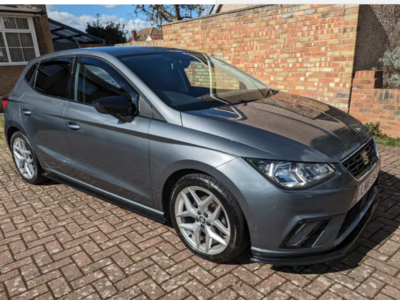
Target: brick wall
pixel 371 103
pixel 304 49
pixel 155 43
pixel 199 75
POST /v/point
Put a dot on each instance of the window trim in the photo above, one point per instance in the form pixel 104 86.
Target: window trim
pixel 32 82
pixel 33 87
pixel 73 79
pixel 30 30
pixel 132 84
pixel 75 58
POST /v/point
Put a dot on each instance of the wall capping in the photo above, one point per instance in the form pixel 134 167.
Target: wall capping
pixel 218 14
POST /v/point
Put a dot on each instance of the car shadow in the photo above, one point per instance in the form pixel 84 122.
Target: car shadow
pixel 49 182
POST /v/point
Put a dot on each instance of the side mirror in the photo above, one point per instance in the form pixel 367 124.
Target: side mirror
pixel 116 106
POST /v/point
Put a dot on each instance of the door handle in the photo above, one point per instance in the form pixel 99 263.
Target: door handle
pixel 26 112
pixel 73 126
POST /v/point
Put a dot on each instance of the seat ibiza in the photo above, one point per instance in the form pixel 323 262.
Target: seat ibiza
pixel 187 139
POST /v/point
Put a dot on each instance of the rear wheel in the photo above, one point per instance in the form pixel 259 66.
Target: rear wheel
pixel 208 218
pixel 25 159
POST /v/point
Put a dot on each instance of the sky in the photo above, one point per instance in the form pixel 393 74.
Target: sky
pixel 77 16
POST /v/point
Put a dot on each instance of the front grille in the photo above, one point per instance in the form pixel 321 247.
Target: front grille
pixel 354 212
pixel 361 161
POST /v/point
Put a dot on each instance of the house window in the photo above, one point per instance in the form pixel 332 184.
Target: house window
pixel 18 43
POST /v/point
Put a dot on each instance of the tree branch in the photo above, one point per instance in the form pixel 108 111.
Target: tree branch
pixel 177 12
pixel 163 12
pixel 158 14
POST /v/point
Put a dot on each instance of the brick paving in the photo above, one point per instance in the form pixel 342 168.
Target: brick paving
pixel 57 242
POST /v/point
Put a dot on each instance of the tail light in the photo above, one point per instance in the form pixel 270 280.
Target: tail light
pixel 4 99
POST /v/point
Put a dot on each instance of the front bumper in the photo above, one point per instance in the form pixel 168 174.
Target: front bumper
pixel 272 213
pixel 338 252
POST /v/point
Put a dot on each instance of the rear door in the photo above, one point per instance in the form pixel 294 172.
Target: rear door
pixel 42 110
pixel 107 153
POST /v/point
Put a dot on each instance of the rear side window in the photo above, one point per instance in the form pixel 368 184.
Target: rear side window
pixel 95 79
pixel 53 77
pixel 29 75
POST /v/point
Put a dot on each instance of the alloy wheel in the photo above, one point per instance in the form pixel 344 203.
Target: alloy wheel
pixel 202 220
pixel 23 159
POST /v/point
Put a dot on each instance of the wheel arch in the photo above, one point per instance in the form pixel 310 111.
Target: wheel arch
pixel 169 184
pixel 197 167
pixel 175 176
pixel 12 128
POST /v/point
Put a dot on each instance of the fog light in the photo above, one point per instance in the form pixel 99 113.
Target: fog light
pixel 305 233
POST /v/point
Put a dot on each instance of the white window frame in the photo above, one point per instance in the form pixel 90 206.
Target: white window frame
pixel 31 30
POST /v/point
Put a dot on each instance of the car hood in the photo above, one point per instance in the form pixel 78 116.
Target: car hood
pixel 284 125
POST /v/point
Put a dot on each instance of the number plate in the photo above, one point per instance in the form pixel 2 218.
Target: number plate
pixel 366 185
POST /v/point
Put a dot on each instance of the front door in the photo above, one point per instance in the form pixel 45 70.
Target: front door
pixel 42 113
pixel 108 154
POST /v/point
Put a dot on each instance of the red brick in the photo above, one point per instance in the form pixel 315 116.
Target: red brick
pixel 370 288
pixel 319 285
pixel 15 286
pixel 59 287
pixel 71 272
pixel 151 289
pixel 105 288
pixel 270 284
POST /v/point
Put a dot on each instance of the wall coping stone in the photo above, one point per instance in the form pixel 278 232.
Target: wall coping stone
pixel 218 14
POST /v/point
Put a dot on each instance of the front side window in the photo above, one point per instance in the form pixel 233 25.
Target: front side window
pixel 53 77
pixel 194 81
pixel 17 40
pixel 95 79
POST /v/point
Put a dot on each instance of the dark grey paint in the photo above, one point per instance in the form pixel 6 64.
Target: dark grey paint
pixel 44 124
pixel 132 161
pixel 110 154
pixel 285 125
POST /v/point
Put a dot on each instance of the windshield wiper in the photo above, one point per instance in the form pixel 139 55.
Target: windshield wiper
pixel 244 101
pixel 269 92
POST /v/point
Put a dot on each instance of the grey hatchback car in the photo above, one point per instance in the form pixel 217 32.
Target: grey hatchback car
pixel 184 138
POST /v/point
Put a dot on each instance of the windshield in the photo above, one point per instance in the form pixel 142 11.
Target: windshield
pixel 194 81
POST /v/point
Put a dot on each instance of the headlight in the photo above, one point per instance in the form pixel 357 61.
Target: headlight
pixel 291 175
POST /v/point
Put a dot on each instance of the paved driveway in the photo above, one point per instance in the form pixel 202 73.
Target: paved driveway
pixel 57 242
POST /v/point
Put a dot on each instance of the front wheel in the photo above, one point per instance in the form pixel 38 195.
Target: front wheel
pixel 208 219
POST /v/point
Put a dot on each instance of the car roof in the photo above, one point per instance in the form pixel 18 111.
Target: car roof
pixel 113 51
pixel 129 50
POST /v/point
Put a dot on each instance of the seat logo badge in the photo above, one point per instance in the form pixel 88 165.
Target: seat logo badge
pixel 365 158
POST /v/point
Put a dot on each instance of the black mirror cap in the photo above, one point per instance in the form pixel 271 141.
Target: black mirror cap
pixel 114 105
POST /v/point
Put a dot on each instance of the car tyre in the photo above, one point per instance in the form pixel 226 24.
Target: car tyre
pixel 25 159
pixel 211 225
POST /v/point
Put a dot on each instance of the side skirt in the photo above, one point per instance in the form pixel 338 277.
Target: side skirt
pixel 160 218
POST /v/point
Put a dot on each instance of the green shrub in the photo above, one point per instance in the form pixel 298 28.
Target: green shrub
pixel 381 137
pixel 376 131
pixel 390 64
